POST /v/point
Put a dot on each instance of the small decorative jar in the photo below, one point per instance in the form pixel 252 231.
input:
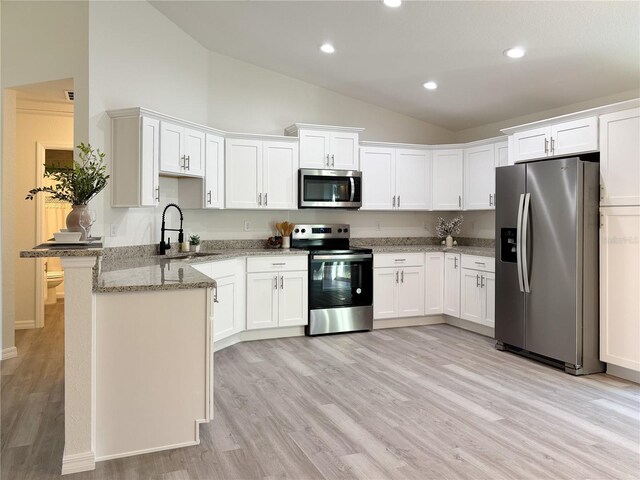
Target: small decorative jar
pixel 449 241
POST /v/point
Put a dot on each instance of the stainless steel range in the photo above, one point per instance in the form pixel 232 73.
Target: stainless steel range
pixel 340 279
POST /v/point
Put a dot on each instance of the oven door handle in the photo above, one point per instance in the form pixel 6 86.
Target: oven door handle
pixel 363 256
pixel 353 189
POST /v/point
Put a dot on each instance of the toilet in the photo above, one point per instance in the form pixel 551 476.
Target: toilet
pixel 53 280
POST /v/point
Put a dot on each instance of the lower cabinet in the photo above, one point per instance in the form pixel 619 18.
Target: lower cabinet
pixel 477 291
pixel 434 283
pixel 451 301
pixel 277 292
pixel 398 285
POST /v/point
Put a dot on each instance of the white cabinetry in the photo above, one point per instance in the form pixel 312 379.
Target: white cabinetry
pixel 395 178
pixel 182 149
pixel 398 285
pixel 477 290
pixel 480 164
pixel 502 154
pixel 563 138
pixel 277 290
pixel 447 179
pixel 434 283
pixel 327 147
pixel 261 173
pixel 214 171
pixel 620 158
pixel 620 286
pixel 452 284
pixel 136 153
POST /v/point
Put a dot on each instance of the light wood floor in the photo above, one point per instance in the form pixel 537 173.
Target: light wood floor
pixel 418 403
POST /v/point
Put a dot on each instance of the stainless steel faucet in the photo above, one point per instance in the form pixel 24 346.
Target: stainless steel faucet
pixel 166 246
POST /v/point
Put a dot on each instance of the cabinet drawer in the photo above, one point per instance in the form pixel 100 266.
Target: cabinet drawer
pixel 398 260
pixel 276 263
pixel 486 264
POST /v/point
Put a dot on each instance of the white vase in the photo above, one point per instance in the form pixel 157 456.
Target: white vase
pixel 286 242
pixel 194 248
pixel 449 241
pixel 73 220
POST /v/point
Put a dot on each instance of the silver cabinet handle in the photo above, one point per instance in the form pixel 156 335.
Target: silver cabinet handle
pixel 546 146
pixel 281 282
pixel 186 162
pixel 398 201
pixel 158 193
pixel 455 262
pixel 277 264
pixel 209 197
pixel 265 199
pixel 494 199
pixel 402 276
pixel 259 199
pixel 519 242
pixel 364 256
pixel 490 200
pixel 460 201
pixel 400 260
pixel 552 145
pixel 482 281
pixel 215 294
pixel 394 201
pixel 396 276
pixel 477 280
pixel 327 162
pixel 525 225
pixel 275 282
pixel 333 160
pixel 479 263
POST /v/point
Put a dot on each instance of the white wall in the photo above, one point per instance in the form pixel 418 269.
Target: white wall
pixel 8 201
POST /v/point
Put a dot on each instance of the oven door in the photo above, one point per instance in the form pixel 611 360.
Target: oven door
pixel 340 280
pixel 330 189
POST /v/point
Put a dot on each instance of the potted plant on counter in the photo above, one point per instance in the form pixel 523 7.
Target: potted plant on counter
pixel 77 185
pixel 194 243
pixel 446 229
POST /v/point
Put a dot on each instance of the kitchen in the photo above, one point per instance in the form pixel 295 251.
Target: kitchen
pixel 141 226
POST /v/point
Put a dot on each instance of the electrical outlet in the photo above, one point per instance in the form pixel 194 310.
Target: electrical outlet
pixel 378 226
pixel 247 225
pixel 113 230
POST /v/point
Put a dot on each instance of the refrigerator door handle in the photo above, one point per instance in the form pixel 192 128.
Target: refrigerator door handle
pixel 519 243
pixel 525 225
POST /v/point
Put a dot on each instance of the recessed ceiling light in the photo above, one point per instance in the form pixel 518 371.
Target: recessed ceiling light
pixel 515 52
pixel 393 3
pixel 327 48
pixel 430 85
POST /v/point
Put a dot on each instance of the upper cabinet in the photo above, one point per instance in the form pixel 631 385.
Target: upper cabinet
pixel 480 177
pixel 261 174
pixel 564 138
pixel 395 178
pixel 326 147
pixel 620 158
pixel 447 182
pixel 182 150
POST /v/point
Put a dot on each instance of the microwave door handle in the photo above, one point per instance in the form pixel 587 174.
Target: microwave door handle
pixel 353 188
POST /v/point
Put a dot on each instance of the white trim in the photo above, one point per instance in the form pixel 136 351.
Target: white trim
pixel 471 326
pixel 262 334
pixel 407 322
pixel 80 462
pixel 148 450
pixel 292 130
pixel 260 136
pixel 10 352
pixel 624 373
pixel 24 324
pixel 145 112
pixel 415 146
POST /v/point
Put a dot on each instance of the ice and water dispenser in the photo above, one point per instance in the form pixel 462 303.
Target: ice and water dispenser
pixel 508 246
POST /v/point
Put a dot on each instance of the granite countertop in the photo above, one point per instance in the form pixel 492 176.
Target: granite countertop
pixel 169 272
pixel 465 250
pixel 61 252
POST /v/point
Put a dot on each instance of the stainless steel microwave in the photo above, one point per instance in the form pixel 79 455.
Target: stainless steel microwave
pixel 329 189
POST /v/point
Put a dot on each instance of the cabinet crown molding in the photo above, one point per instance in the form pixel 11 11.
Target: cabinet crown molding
pixel 145 112
pixel 293 130
pixel 447 146
pixel 260 136
pixel 592 112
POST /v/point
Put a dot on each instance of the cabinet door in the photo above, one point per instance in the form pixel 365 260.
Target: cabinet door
pixel 378 178
pixel 344 151
pixel 620 286
pixel 279 175
pixel 171 148
pixel 243 174
pixel 447 179
pixel 471 302
pixel 413 179
pixel 502 154
pixel 411 292
pixel 620 158
pixel 479 177
pixel 385 293
pixel 194 152
pixel 225 312
pixel 434 283
pixel 150 159
pixel 530 144
pixel 314 149
pixel 575 136
pixel 214 171
pixel 292 300
pixel 452 284
pixel 262 300
pixel 489 299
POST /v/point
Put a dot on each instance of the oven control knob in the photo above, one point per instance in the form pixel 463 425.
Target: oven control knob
pixel 346 230
pixel 340 230
pixel 304 230
pixel 297 230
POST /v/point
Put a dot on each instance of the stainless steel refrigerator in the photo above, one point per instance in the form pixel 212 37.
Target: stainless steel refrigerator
pixel 547 261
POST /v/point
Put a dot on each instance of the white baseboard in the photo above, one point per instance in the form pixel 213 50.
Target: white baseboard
pixel 407 322
pixel 146 450
pixel 10 352
pixel 79 462
pixel 471 326
pixel 624 373
pixel 263 334
pixel 24 324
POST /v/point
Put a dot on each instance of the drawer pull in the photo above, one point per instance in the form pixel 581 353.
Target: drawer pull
pixel 276 264
pixel 479 263
pixel 400 260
